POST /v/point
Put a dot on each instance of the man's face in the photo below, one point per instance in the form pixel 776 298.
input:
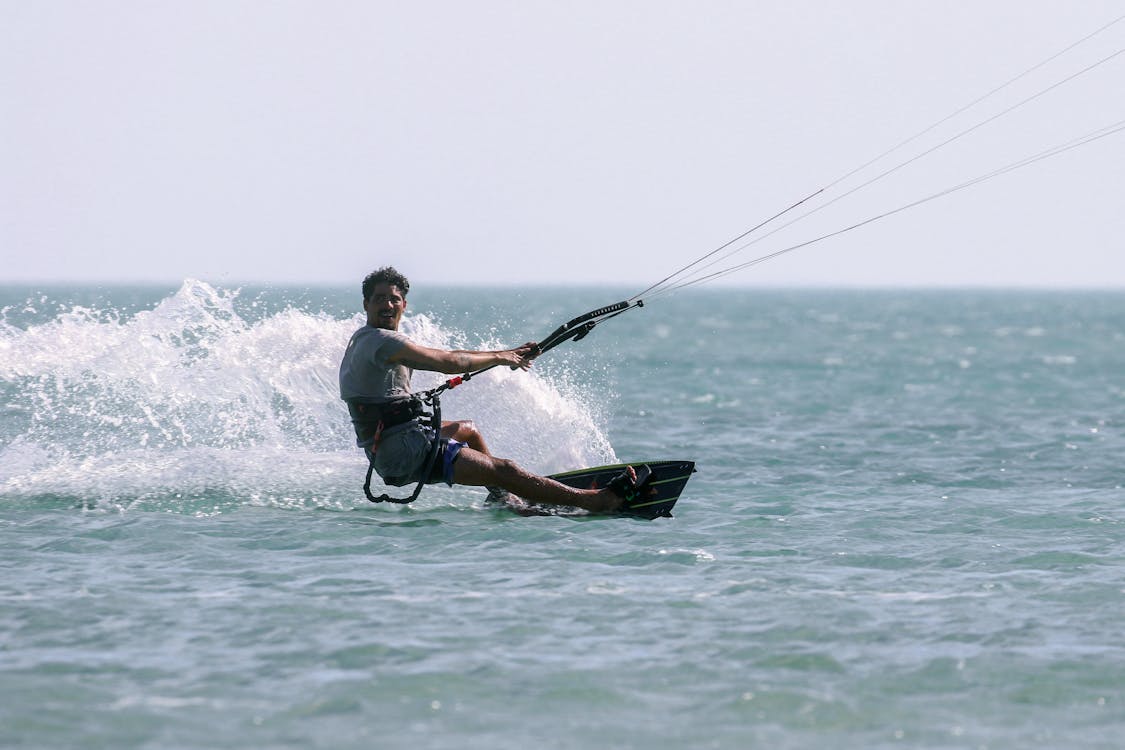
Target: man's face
pixel 385 306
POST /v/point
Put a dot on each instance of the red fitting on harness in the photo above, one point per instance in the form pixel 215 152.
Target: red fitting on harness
pixel 378 437
pixel 454 382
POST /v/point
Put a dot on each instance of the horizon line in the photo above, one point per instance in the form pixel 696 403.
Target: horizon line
pixel 322 284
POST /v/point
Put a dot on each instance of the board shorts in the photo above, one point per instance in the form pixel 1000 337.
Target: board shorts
pixel 401 456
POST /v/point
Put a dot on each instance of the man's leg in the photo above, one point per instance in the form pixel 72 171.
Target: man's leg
pixel 466 431
pixel 475 468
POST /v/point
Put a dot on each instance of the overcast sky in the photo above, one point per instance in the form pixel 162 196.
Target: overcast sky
pixel 531 142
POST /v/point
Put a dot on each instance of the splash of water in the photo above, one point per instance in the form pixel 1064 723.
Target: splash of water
pixel 193 405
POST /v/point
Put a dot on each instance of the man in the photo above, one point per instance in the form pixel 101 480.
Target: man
pixel 375 382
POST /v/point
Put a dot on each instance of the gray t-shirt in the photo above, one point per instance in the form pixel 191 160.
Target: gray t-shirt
pixel 367 377
pixel 365 373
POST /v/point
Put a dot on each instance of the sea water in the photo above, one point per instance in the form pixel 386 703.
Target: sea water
pixel 906 529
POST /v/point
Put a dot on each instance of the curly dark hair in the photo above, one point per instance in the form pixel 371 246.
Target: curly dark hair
pixel 387 275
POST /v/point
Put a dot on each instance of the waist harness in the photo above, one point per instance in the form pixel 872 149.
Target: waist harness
pixel 370 419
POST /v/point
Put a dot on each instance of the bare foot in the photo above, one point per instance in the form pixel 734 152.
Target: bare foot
pixel 608 502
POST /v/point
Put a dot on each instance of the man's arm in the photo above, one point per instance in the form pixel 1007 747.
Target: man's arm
pixel 461 360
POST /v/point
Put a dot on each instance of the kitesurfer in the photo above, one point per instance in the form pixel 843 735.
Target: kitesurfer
pixel 375 383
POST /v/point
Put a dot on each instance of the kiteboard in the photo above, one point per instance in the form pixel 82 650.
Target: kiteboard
pixel 658 495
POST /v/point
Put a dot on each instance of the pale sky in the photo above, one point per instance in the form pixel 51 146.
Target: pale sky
pixel 530 142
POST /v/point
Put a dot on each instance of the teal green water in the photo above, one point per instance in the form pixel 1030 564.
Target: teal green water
pixel 906 529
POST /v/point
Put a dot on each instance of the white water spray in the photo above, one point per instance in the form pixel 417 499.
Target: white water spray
pixel 193 406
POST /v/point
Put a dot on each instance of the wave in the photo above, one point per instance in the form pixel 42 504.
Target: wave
pixel 197 399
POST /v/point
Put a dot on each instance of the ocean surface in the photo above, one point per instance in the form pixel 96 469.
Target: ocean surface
pixel 907 529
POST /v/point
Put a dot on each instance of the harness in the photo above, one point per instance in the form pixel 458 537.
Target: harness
pixel 371 419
